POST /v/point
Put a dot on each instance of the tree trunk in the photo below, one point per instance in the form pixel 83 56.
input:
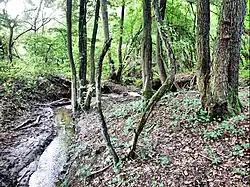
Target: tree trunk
pixel 106 34
pixel 203 50
pixel 171 56
pixel 2 52
pixel 98 101
pixel 159 54
pixel 147 73
pixel 224 80
pixel 146 113
pixel 10 46
pixel 92 57
pixel 119 71
pixel 71 58
pixel 82 31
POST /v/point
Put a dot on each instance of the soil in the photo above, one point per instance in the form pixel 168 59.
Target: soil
pixel 178 147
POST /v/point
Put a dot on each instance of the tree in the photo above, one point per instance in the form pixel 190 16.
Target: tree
pixel 225 68
pixel 147 73
pixel 82 44
pixel 203 50
pixel 92 56
pixel 159 54
pixel 119 71
pixel 106 34
pixel 98 101
pixel 71 58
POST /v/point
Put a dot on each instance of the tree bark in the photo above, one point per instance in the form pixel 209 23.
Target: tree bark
pixel 10 46
pixel 224 80
pixel 92 57
pixel 71 58
pixel 98 101
pixel 167 46
pixel 119 71
pixel 147 73
pixel 152 102
pixel 106 34
pixel 82 32
pixel 203 50
pixel 159 54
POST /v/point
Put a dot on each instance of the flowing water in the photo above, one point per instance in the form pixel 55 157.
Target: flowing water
pixel 54 157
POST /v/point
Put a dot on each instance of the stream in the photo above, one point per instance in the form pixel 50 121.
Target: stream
pixel 52 160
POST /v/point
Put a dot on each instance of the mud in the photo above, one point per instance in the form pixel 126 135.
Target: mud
pixel 20 149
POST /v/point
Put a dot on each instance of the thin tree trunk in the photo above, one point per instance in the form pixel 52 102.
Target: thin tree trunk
pixel 106 34
pixel 152 102
pixel 172 59
pixel 224 80
pixel 147 73
pixel 82 32
pixel 71 58
pixel 119 71
pixel 161 91
pixel 92 57
pixel 2 52
pixel 98 101
pixel 159 54
pixel 203 50
pixel 10 46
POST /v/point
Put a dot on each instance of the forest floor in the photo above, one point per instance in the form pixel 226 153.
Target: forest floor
pixel 179 146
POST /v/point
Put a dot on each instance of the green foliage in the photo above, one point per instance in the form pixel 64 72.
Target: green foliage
pixel 214 158
pixel 240 171
pixel 226 128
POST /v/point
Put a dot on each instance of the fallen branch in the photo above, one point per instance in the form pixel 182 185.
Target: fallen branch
pixel 25 123
pixel 93 174
pixel 32 124
pixel 57 103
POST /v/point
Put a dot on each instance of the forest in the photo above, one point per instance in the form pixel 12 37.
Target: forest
pixel 118 93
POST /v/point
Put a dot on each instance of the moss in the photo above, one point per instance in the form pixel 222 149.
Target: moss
pixel 234 104
pixel 147 94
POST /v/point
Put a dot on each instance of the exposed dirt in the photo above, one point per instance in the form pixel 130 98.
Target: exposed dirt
pixel 178 147
pixel 26 127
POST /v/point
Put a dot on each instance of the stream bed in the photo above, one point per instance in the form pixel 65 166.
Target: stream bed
pixel 53 159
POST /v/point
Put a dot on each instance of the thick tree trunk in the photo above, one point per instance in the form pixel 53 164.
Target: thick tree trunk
pixel 159 54
pixel 203 50
pixel 224 80
pixel 82 44
pixel 98 101
pixel 119 71
pixel 92 57
pixel 147 73
pixel 71 58
pixel 106 34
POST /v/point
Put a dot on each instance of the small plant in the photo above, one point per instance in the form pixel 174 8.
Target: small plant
pixel 224 128
pixel 238 150
pixel 164 159
pixel 214 158
pixel 128 126
pixel 240 171
pixel 203 116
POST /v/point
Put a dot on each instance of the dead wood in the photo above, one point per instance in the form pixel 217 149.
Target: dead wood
pixel 32 122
